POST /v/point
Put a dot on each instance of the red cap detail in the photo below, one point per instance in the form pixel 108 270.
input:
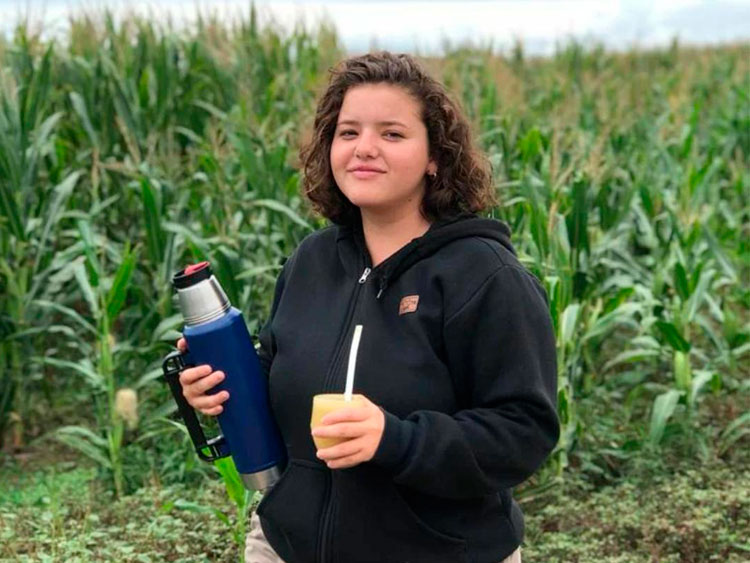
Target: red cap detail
pixel 194 268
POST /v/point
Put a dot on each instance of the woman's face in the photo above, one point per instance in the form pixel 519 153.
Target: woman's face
pixel 379 155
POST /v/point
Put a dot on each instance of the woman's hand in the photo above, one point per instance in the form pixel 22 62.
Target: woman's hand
pixel 363 426
pixel 196 381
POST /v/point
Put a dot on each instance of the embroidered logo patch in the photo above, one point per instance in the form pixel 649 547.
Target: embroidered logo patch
pixel 408 304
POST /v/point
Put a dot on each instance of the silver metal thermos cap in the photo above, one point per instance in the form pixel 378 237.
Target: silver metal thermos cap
pixel 200 295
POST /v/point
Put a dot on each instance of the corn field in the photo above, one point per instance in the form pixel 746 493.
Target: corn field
pixel 129 150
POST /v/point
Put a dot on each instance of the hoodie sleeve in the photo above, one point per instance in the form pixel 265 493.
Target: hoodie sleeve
pixel 500 350
pixel 267 348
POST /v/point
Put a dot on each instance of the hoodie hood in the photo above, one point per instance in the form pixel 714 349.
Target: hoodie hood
pixel 437 236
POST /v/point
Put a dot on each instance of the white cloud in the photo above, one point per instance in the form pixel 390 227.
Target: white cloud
pixel 423 24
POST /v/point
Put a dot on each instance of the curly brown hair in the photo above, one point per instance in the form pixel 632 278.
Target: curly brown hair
pixel 464 180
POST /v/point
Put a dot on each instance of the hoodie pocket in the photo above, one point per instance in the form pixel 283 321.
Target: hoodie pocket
pixel 290 512
pixel 374 523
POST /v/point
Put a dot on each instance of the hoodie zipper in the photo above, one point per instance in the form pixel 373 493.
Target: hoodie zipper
pixel 382 285
pixel 324 533
pixel 347 322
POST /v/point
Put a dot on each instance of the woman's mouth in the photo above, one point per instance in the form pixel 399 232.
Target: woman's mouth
pixel 363 174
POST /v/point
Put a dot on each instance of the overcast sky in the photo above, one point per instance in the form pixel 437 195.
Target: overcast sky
pixel 424 25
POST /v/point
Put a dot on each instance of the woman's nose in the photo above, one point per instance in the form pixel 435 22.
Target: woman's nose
pixel 366 147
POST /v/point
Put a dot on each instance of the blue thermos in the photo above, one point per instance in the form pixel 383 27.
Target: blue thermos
pixel 216 335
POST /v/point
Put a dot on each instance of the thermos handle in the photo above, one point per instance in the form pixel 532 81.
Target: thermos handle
pixel 172 365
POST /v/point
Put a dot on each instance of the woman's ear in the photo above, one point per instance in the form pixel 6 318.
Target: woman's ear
pixel 432 168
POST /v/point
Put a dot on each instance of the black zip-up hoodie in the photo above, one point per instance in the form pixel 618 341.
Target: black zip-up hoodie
pixel 458 351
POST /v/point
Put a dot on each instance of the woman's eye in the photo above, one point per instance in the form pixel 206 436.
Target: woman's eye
pixel 350 132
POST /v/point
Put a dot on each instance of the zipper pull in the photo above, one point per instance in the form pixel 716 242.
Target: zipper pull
pixel 381 289
pixel 363 277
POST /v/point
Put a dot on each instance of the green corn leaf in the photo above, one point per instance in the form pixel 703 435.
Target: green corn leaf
pixel 86 290
pixel 173 423
pixel 699 294
pixel 9 208
pixel 718 252
pixel 663 409
pixel 42 135
pixel 695 275
pixel 291 188
pixel 256 271
pixel 648 237
pixel 83 367
pixel 568 323
pixel 86 442
pixel 61 193
pixel 68 312
pixel 631 356
pixel 699 381
pixel 673 336
pixel 166 326
pixel 232 480
pixel 563 406
pixel 538 212
pixel 734 431
pixel 35 152
pixel 561 244
pixel 223 263
pixel 148 377
pixel 168 262
pixel 52 329
pixel 167 409
pixel 36 95
pixel 102 205
pixel 200 508
pixel 211 109
pixel 577 220
pixel 152 217
pixel 681 281
pixel 118 291
pixel 741 351
pixel 284 209
pixel 79 106
pixel 92 262
pixel 531 144
pixel 623 314
pixel 194 238
pixel 190 134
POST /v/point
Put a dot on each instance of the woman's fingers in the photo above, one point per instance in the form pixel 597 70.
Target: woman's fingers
pixel 213 411
pixel 210 381
pixel 345 462
pixel 340 430
pixel 209 401
pixel 346 414
pixel 342 450
pixel 196 381
pixel 191 375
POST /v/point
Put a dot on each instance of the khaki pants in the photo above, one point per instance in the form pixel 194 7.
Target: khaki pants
pixel 257 549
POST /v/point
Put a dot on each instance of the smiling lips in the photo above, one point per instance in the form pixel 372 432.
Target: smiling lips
pixel 363 172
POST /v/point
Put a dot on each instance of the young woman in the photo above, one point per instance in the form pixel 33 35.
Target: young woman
pixel 457 357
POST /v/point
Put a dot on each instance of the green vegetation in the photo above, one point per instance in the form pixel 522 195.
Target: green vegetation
pixel 130 150
pixel 60 514
pixel 690 514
